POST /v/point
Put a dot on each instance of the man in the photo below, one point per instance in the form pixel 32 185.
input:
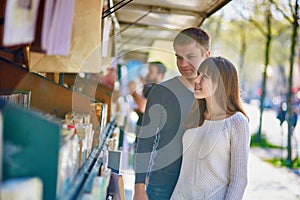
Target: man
pixel 159 147
pixel 156 72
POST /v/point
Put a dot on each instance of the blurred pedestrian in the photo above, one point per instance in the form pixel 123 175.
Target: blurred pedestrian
pixel 281 113
pixel 156 73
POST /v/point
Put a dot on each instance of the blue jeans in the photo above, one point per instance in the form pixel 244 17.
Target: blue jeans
pixel 159 192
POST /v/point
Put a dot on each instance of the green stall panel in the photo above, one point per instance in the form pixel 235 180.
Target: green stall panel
pixel 30 147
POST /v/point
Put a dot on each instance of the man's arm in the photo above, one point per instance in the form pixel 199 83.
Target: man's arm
pixel 139 100
pixel 146 140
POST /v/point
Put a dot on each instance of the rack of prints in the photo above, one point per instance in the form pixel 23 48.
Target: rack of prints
pixel 21 97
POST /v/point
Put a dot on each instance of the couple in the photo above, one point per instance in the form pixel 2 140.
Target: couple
pixel 194 138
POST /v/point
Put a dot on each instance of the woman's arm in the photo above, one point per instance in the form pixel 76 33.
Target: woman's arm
pixel 240 145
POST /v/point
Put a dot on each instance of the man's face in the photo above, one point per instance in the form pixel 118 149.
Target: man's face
pixel 189 57
pixel 152 74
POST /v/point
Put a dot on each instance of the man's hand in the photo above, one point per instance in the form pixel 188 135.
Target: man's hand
pixel 139 100
pixel 140 192
pixel 132 87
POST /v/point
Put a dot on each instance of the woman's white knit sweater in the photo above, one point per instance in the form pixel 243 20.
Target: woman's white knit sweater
pixel 215 158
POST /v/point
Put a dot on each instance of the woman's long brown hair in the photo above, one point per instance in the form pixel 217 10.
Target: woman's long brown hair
pixel 227 94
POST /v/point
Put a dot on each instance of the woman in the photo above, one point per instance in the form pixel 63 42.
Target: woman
pixel 215 153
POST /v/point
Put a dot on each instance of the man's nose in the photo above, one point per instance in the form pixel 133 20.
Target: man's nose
pixel 184 62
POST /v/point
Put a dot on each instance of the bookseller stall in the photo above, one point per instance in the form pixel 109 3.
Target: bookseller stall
pixel 57 128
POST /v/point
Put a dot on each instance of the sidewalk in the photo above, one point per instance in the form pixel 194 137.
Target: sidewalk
pixel 265 182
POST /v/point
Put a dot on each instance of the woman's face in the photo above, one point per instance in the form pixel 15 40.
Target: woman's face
pixel 203 86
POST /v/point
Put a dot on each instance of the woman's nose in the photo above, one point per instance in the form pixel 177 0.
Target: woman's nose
pixel 198 79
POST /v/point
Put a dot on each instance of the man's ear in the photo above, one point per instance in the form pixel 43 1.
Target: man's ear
pixel 160 77
pixel 207 54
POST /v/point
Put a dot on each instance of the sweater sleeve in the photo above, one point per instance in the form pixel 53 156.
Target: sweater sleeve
pixel 148 133
pixel 240 145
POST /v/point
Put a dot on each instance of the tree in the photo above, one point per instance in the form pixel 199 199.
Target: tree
pixel 242 33
pixel 267 33
pixel 264 21
pixel 291 14
pixel 222 39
